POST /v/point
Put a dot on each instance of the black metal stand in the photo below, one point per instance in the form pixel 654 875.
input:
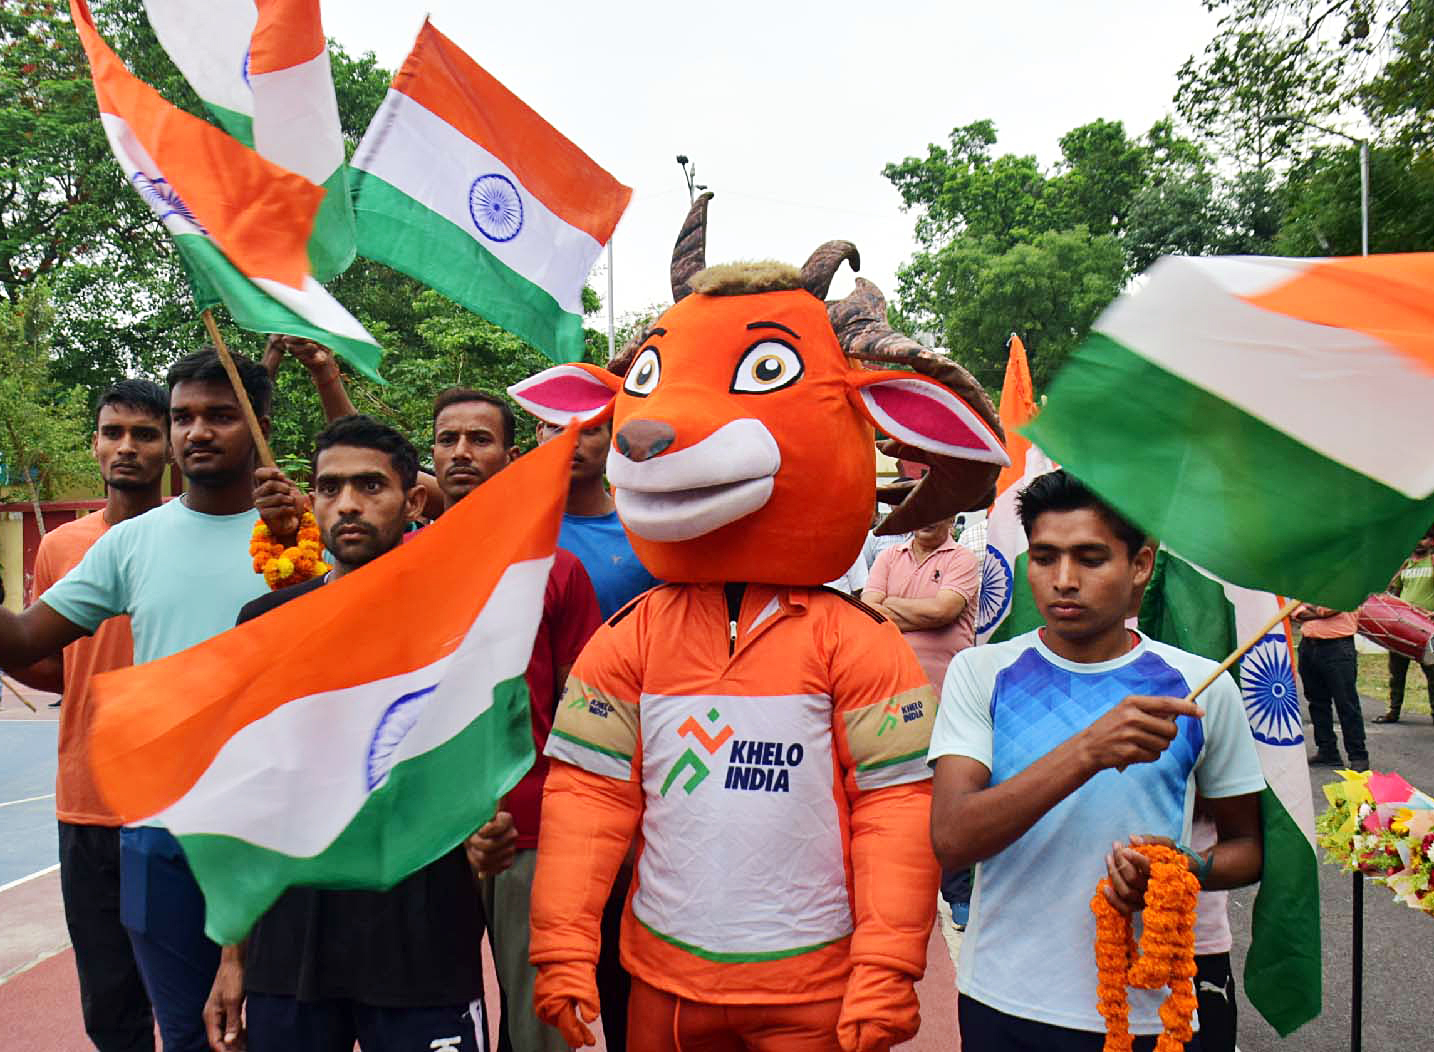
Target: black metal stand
pixel 1356 1009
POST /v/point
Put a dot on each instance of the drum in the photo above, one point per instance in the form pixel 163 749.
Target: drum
pixel 1398 626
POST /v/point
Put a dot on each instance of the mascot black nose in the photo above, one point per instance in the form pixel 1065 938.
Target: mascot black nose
pixel 641 440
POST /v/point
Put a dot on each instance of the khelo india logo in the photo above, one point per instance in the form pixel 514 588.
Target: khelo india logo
pixel 751 765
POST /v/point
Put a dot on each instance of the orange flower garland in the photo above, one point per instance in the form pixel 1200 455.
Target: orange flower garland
pixel 283 566
pixel 1166 954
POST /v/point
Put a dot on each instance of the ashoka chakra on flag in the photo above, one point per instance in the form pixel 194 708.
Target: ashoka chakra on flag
pixel 1268 684
pixel 496 207
pixel 997 581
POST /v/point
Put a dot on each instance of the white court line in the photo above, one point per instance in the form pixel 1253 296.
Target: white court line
pixel 27 800
pixel 25 880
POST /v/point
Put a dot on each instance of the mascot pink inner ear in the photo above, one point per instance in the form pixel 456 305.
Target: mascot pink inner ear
pixel 928 416
pixel 563 392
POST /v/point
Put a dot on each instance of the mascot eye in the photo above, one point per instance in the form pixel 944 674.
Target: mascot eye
pixel 642 377
pixel 769 366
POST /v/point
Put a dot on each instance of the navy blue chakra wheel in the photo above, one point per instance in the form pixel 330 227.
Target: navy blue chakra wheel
pixel 1268 683
pixel 996 584
pixel 496 207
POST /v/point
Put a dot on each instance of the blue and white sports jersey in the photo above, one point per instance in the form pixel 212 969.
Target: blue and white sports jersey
pixel 1029 946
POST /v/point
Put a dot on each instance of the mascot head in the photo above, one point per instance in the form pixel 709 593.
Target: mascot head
pixel 742 421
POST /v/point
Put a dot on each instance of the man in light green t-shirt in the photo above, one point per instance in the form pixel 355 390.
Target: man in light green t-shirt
pixel 1415 585
pixel 181 572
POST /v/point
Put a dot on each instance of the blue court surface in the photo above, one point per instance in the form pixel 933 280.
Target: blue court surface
pixel 28 838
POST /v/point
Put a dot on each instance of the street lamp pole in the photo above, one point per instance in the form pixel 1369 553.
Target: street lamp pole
pixel 1363 144
pixel 689 172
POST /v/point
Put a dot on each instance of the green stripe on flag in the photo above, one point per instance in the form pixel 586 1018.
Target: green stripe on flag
pixel 239 125
pixel 214 279
pixel 395 229
pixel 1187 609
pixel 1283 979
pixel 429 804
pixel 1221 487
pixel 333 244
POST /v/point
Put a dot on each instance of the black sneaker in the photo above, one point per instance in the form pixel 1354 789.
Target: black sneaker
pixel 1326 759
pixel 1360 764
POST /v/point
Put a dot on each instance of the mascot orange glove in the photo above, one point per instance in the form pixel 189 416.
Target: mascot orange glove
pixel 895 879
pixel 587 824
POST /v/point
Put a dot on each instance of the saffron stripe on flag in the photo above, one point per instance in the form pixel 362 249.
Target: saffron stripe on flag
pixel 442 79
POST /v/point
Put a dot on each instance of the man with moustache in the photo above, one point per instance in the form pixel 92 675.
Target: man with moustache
pixel 473 439
pixel 131 446
pixel 390 970
pixel 180 572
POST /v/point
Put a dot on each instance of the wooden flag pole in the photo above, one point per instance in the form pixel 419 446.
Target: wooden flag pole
pixel 15 691
pixel 266 455
pixel 1285 611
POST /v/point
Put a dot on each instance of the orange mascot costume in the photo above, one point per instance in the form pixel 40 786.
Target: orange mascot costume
pixel 764 741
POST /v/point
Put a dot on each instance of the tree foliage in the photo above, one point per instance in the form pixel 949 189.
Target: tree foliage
pixel 1007 245
pixel 44 427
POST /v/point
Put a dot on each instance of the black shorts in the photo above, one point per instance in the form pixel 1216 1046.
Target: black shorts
pixel 984 1028
pixel 286 1024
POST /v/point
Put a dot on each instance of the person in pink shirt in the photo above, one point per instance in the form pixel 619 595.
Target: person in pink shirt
pixel 927 587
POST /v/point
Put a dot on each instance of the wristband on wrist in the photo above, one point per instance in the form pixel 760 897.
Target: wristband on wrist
pixel 1200 865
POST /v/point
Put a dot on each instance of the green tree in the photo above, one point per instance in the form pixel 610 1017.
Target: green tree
pixel 1323 213
pixel 44 426
pixel 1400 97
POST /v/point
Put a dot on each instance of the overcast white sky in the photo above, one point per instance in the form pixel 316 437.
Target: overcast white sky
pixel 790 109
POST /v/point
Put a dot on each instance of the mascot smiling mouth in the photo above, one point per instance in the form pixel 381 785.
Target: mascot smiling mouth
pixel 682 494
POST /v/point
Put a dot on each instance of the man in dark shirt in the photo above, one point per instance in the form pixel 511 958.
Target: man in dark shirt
pixel 393 970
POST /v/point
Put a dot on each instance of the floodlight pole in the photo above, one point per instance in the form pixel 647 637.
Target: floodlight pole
pixel 1363 144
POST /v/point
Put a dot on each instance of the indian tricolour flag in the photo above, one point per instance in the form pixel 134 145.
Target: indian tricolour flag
pixel 1005 608
pixel 1267 418
pixel 459 184
pixel 262 69
pixel 354 735
pixel 241 223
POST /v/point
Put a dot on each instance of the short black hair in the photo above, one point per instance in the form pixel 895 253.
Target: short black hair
pixel 459 395
pixel 204 366
pixel 144 396
pixel 364 432
pixel 1060 491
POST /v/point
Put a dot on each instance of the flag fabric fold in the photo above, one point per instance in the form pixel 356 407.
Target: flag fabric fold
pixel 352 736
pixel 241 223
pixel 1005 608
pixel 1260 416
pixel 262 69
pixel 1195 611
pixel 460 185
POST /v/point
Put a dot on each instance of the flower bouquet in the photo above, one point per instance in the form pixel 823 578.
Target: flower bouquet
pixel 1380 825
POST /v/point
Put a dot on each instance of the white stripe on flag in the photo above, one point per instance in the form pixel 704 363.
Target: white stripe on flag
pixel 1186 323
pixel 209 42
pixel 311 752
pixel 314 304
pixel 423 156
pixel 296 118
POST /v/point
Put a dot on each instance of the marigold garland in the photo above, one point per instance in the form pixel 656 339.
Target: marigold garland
pixel 284 566
pixel 1166 954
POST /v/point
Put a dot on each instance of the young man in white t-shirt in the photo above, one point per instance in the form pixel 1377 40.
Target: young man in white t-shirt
pixel 1054 754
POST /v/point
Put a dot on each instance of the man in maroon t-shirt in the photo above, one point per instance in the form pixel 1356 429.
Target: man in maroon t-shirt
pixel 472 441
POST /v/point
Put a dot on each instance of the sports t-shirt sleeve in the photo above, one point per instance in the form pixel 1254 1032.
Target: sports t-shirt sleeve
pixel 963 723
pixel 884 706
pixel 1228 764
pixel 96 589
pixel 596 727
